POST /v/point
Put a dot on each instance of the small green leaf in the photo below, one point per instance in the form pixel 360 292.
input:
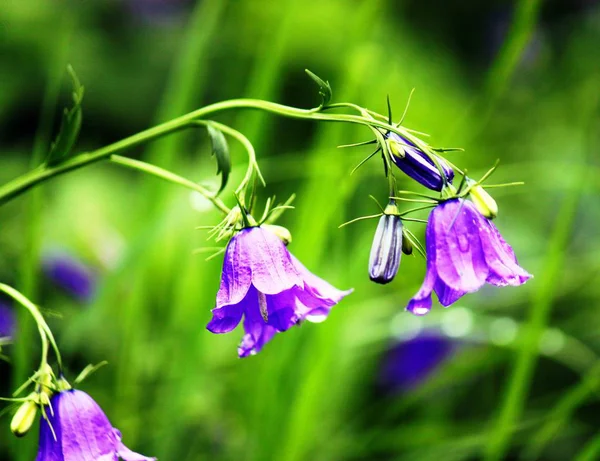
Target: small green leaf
pixel 69 128
pixel 324 88
pixel 220 150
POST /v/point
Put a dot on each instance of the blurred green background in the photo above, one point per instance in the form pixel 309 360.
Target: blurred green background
pixel 519 81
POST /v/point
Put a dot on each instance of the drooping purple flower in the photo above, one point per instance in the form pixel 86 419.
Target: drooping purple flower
pixel 267 286
pixel 70 274
pixel 416 164
pixel 464 251
pixel 76 429
pixel 7 321
pixel 409 363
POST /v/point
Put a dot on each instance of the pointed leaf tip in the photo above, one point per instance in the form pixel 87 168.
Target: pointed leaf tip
pixel 70 125
pixel 220 149
pixel 324 87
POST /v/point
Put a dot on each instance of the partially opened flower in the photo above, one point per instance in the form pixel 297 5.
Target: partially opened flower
pixel 267 286
pixel 76 429
pixel 418 165
pixel 7 321
pixel 464 251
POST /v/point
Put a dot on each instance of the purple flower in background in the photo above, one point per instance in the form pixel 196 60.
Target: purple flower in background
pixel 270 288
pixel 83 432
pixel 409 363
pixel 70 274
pixel 416 164
pixel 464 251
pixel 7 321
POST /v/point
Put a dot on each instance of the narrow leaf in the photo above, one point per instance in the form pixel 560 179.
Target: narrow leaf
pixel 220 150
pixel 324 88
pixel 70 125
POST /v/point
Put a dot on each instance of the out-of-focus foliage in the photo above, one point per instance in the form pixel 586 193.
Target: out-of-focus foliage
pixel 523 378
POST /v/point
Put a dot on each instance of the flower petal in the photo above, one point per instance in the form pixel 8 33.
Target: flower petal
pixel 420 304
pixel 269 260
pixel 86 432
pixel 236 277
pixel 225 318
pixel 258 333
pixel 125 453
pixel 500 257
pixel 447 295
pixel 459 259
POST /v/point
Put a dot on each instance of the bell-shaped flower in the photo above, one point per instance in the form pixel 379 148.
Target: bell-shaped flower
pixel 267 286
pixel 418 165
pixel 464 251
pixel 76 429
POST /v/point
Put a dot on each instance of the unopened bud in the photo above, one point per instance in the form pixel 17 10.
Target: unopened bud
pixel 386 250
pixel 280 231
pixel 407 246
pixel 24 418
pixel 483 201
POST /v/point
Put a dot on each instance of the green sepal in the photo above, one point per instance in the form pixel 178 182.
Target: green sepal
pixel 324 88
pixel 70 125
pixel 220 149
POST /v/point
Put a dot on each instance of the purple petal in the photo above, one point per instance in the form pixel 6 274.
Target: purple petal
pixel 322 292
pixel 500 257
pixel 85 429
pixel 420 304
pixel 83 432
pixel 269 260
pixel 258 333
pixel 125 453
pixel 459 260
pixel 236 277
pixel 226 318
pixel 419 166
pixel 447 295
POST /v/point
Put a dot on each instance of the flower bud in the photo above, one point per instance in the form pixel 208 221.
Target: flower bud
pixel 407 246
pixel 483 201
pixel 280 231
pixel 24 418
pixel 418 165
pixel 386 250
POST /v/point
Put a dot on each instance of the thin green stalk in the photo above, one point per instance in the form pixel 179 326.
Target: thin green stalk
pixel 590 451
pixel 154 170
pixel 45 332
pixel 520 378
pixel 43 173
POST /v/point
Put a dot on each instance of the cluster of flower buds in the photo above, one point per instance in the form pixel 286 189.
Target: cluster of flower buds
pixel 464 249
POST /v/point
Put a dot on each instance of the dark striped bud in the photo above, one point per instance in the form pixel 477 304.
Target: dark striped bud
pixel 386 250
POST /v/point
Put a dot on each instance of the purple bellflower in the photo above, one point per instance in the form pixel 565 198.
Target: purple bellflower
pixel 269 287
pixel 416 164
pixel 7 321
pixel 464 251
pixel 71 275
pixel 76 429
pixel 409 363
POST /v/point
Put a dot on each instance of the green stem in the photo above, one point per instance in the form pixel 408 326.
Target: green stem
pixel 168 176
pixel 45 332
pixel 252 163
pixel 43 173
